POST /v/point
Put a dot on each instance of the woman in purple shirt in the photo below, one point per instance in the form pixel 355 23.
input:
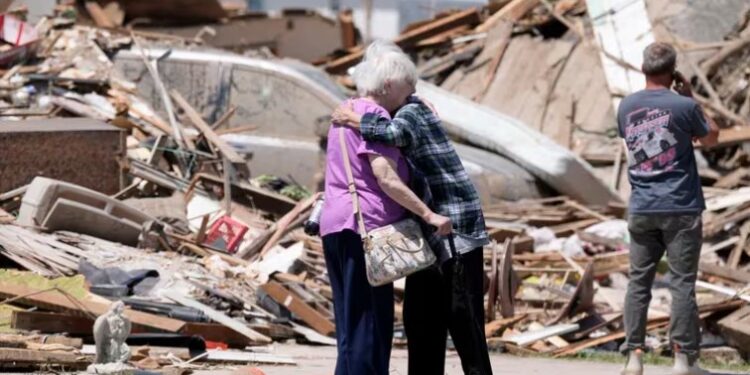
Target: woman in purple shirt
pixel 364 314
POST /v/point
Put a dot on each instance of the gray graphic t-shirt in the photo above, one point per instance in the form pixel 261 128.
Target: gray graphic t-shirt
pixel 658 127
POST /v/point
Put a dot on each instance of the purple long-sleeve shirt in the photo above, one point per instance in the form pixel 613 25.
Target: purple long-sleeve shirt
pixel 378 209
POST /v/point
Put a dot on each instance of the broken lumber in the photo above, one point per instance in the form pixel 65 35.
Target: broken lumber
pixel 220 317
pixel 55 301
pixel 651 325
pixel 285 222
pixel 729 292
pixel 209 133
pixel 98 15
pixel 299 308
pixel 528 338
pixel 725 272
pixel 412 37
pixel 496 327
pixel 513 11
pixel 736 328
pixel 20 358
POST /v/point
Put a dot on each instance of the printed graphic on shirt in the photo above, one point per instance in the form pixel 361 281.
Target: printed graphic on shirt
pixel 651 143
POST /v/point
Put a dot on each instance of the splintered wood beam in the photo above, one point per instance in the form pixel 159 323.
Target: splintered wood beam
pixel 221 318
pixel 412 37
pixel 209 133
pixel 514 11
pixel 98 15
pixel 725 272
pixel 298 307
pixel 25 357
pixel 55 301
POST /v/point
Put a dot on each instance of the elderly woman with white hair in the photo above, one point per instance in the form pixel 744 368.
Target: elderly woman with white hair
pixel 449 297
pixel 363 313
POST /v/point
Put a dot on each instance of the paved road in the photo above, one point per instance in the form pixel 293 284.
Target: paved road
pixel 320 361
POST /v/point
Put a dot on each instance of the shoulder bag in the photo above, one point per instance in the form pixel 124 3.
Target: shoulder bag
pixel 393 251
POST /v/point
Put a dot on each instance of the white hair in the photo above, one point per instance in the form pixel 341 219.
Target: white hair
pixel 383 62
pixel 379 47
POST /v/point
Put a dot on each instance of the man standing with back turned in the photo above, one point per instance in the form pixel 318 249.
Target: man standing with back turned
pixel 659 127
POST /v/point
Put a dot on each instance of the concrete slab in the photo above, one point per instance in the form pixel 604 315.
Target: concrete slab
pixel 58 205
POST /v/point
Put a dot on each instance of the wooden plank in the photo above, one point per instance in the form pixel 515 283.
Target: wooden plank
pixel 47 322
pixel 51 323
pixel 183 10
pixel 299 308
pixel 733 199
pixel 651 325
pixel 492 293
pixel 528 338
pixel 97 14
pixel 732 136
pixel 412 37
pixel 733 178
pixel 465 17
pixel 218 333
pixel 348 31
pixel 729 292
pixel 586 210
pixel 201 125
pixel 739 249
pixel 56 301
pixel 221 318
pixel 42 340
pixel 497 327
pixel 20 357
pixel 725 272
pixel 498 38
pixel 513 12
pixel 736 328
pixel 285 222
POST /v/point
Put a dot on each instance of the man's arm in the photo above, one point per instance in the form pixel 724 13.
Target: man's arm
pixel 388 180
pixel 376 128
pixel 711 138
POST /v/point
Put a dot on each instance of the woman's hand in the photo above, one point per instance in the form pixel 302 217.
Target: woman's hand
pixel 442 223
pixel 345 115
pixel 428 104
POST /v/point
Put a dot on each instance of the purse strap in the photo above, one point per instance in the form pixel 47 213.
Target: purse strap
pixel 351 186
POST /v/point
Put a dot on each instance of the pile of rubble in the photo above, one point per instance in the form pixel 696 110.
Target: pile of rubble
pixel 111 195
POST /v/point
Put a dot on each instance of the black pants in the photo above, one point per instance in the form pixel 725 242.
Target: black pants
pixel 363 313
pixel 439 301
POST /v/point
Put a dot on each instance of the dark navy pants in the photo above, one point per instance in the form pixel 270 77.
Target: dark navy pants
pixel 363 314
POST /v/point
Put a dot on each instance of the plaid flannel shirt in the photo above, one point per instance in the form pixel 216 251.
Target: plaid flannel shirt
pixel 446 189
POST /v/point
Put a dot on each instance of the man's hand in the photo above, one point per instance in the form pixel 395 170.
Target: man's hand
pixel 443 224
pixel 681 85
pixel 345 115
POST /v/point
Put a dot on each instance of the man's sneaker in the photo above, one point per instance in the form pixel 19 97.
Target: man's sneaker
pixel 634 365
pixel 682 366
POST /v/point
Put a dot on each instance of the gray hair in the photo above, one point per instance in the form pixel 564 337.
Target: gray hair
pixel 659 58
pixel 383 61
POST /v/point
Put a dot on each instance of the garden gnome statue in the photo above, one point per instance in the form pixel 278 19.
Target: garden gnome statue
pixel 110 332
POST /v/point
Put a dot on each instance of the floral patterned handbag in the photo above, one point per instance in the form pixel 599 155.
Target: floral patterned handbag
pixel 393 251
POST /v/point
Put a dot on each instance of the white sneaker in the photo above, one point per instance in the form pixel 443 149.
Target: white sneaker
pixel 682 366
pixel 634 365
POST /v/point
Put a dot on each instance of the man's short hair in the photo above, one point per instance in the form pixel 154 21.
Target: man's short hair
pixel 659 58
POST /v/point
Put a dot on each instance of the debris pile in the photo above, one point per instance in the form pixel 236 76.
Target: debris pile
pixel 111 196
pixel 557 281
